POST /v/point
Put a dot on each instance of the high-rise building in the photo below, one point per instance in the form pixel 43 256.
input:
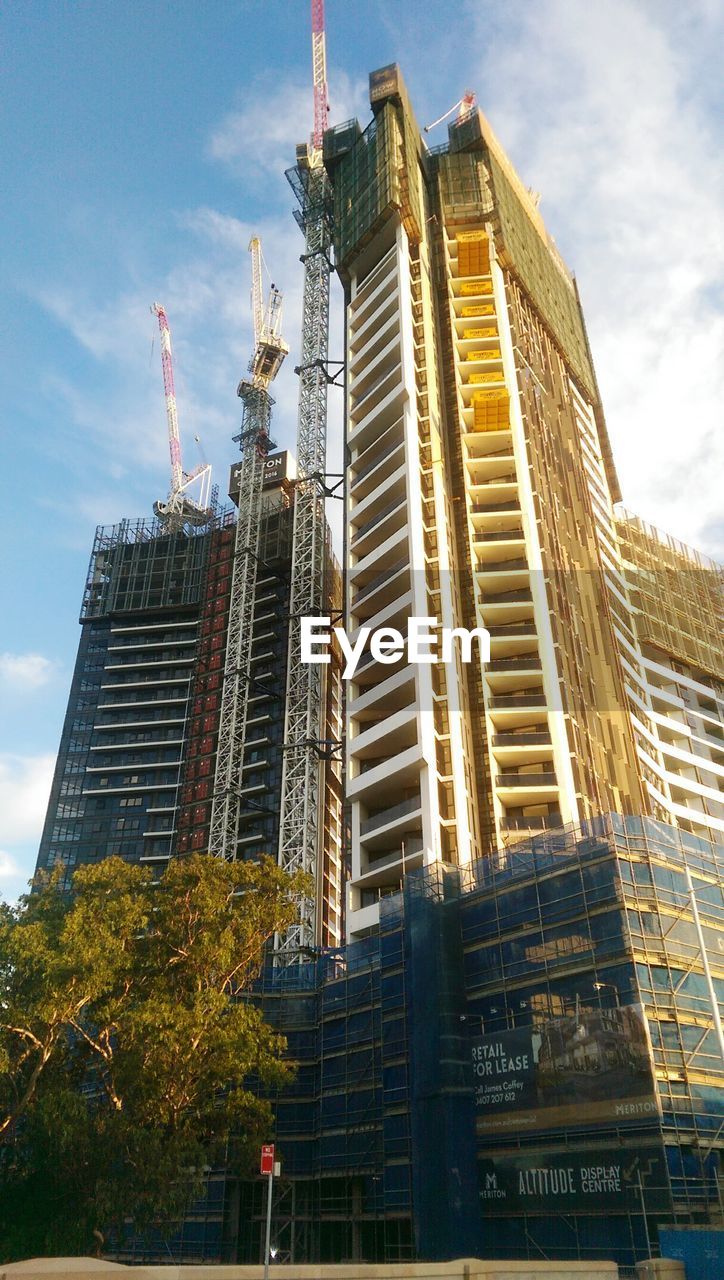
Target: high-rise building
pixel 536 861
pixel 481 488
pixel 136 765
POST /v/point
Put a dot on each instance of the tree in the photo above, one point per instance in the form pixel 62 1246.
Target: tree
pixel 128 1043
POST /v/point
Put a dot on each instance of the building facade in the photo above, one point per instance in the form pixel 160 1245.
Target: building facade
pixel 570 970
pixel 136 764
pixel 481 491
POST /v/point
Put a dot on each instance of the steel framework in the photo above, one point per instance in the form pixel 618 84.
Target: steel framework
pixel 299 829
pixel 254 443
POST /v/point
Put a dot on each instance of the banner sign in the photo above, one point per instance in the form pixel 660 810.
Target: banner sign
pixel 598 1180
pixel 593 1067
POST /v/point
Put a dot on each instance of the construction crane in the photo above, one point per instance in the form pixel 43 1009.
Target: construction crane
pixel 269 347
pixel 254 445
pixel 466 104
pixel 180 508
pixel 299 823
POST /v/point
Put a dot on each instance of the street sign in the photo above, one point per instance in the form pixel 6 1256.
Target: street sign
pixel 267 1159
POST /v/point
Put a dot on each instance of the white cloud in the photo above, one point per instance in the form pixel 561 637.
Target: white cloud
pixel 257 140
pixel 24 789
pixel 599 107
pixel 26 670
pixel 9 868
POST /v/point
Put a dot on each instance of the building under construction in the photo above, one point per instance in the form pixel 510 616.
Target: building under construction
pixel 137 759
pixel 535 892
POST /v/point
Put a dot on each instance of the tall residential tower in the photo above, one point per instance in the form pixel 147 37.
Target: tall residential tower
pixel 480 492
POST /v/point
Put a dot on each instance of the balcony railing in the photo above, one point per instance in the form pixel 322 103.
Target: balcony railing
pixel 502 566
pixel 378 581
pixel 513 629
pixel 378 458
pixel 514 664
pixel 377 519
pixel 540 822
pixel 500 535
pixel 526 780
pixel 508 597
pixel 383 816
pixel 506 477
pixel 481 508
pixel 514 700
pixel 521 740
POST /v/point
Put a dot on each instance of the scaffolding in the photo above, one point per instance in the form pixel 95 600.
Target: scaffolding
pixel 677 593
pixel 139 565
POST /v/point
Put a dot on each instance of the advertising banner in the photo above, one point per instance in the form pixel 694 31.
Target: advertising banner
pixel 599 1180
pixel 591 1068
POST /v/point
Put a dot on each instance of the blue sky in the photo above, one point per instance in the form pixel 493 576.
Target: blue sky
pixel 143 144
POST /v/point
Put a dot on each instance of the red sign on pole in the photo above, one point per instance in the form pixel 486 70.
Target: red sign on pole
pixel 267 1159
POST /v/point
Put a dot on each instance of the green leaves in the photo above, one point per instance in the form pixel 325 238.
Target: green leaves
pixel 127 1040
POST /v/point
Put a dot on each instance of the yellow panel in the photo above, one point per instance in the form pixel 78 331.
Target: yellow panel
pixel 473 253
pixel 480 333
pixel 496 375
pixel 491 410
pixel 471 287
pixel 492 354
pixel 482 309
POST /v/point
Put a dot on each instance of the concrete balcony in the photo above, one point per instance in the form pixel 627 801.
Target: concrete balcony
pixel 378 828
pixel 522 748
pixel 534 822
pixel 512 675
pixel 388 867
pixel 505 507
pixel 377 417
pixel 511 710
pixel 390 520
pixel 511 606
pixel 382 784
pixel 378 337
pixel 396 689
pixel 379 497
pixel 378 464
pixel 377 391
pixel 393 733
pixel 526 788
pixel 499 578
pixel 490 469
pixel 372 372
pixel 365 315
pixel 383 549
pixel 380 589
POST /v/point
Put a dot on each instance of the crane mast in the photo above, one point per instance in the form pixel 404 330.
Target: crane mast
pixel 254 445
pixel 179 508
pixel 299 829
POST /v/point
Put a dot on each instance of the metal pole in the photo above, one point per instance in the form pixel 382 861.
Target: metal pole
pixel 643 1213
pixel 705 961
pixel 267 1244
